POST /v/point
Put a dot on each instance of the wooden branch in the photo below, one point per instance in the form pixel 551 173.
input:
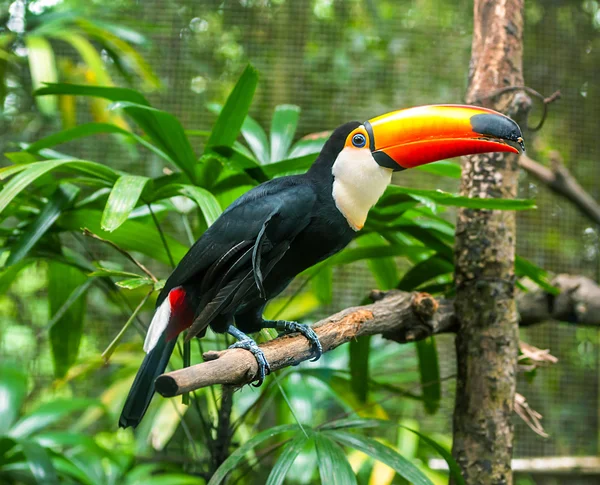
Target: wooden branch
pixel 559 180
pixel 399 316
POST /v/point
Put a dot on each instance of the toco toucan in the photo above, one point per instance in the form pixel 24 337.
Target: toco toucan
pixel 282 227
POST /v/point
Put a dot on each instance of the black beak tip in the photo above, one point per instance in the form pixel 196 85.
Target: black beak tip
pixel 498 126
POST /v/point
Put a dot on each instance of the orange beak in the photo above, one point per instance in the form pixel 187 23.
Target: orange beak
pixel 415 136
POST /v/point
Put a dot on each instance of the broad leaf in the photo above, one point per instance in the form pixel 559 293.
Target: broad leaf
pixel 89 129
pixel 445 168
pixel 445 198
pixel 229 122
pixel 446 455
pixel 238 455
pixel 359 350
pixel 132 235
pixel 123 198
pixel 429 370
pixel 334 468
pixel 425 271
pixel 384 269
pixel 60 200
pixel 285 461
pixel 255 136
pixel 310 144
pixel 30 173
pixel 161 127
pixel 356 254
pixel 48 414
pixel 322 284
pixel 283 128
pixel 382 453
pixel 42 67
pixel 66 332
pixel 39 462
pixel 291 166
pixel 13 389
pixel 231 118
pixel 524 267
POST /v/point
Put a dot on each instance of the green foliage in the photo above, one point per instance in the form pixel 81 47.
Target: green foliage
pixel 32 451
pixel 49 197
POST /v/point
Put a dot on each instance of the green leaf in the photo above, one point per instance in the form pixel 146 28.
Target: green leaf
pixel 356 254
pixel 13 389
pixel 133 283
pixel 33 171
pixel 208 203
pixel 165 131
pixel 322 284
pixel 67 330
pixel 446 168
pixel 524 267
pixel 8 275
pixel 283 128
pixel 122 200
pixel 89 55
pixel 445 198
pixel 114 272
pixel 120 46
pixel 255 136
pixel 334 468
pixel 238 455
pixel 359 366
pixel 424 271
pixel 290 166
pixel 236 160
pixel 286 459
pixel 132 235
pixel 161 127
pixel 429 370
pixel 42 66
pixel 446 455
pixel 229 122
pixel 62 198
pixel 110 93
pixel 89 129
pixel 231 118
pixel 39 463
pixel 381 453
pixel 47 414
pixel 384 269
pixel 310 144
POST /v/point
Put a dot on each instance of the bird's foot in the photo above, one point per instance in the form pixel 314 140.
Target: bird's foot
pixel 246 343
pixel 286 327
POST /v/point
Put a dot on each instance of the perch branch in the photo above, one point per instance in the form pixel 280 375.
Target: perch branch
pixel 399 316
pixel 559 180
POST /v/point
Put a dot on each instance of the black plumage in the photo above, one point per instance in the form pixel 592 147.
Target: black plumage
pixel 250 255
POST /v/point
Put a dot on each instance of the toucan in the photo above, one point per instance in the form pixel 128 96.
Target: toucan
pixel 283 226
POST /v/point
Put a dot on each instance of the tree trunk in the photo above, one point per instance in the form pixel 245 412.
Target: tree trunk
pixel 487 341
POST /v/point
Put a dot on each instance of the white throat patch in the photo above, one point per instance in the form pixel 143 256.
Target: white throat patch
pixel 358 183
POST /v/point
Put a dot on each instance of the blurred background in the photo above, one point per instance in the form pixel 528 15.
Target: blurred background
pixel 336 60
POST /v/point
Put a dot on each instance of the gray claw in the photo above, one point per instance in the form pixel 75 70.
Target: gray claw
pixel 263 366
pixel 310 335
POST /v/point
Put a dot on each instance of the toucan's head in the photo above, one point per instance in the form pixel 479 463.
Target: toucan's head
pixel 364 155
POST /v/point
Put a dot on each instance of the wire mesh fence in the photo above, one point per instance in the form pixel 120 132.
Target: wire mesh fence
pixel 341 60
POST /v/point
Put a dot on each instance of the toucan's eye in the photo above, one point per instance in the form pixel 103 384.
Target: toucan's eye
pixel 359 140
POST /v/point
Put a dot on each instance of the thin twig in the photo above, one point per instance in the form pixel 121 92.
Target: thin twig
pixel 88 233
pixel 545 100
pixel 162 236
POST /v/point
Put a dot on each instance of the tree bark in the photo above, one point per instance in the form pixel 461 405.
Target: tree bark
pixel 487 340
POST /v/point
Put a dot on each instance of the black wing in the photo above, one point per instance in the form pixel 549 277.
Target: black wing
pixel 239 250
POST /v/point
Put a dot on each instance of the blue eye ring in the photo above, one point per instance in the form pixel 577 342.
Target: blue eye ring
pixel 359 140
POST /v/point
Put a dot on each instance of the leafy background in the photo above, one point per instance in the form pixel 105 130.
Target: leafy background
pixel 320 63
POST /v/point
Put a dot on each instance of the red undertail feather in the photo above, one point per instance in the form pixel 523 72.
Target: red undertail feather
pixel 182 314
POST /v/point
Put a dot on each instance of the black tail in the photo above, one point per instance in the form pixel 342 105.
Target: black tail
pixel 142 390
